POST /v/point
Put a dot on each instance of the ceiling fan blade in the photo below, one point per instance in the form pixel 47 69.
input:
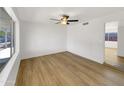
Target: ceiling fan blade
pixel 72 20
pixel 68 23
pixel 54 19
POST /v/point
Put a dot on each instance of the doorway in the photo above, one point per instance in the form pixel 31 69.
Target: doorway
pixel 111 46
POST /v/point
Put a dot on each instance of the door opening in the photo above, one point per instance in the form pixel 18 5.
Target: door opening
pixel 111 46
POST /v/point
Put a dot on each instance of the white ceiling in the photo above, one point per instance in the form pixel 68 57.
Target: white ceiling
pixel 43 14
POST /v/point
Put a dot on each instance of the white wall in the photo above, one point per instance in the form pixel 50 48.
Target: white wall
pixel 87 41
pixel 39 39
pixel 121 41
pixel 6 72
pixel 111 44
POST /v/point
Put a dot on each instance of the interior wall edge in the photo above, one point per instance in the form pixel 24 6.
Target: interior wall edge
pixel 11 80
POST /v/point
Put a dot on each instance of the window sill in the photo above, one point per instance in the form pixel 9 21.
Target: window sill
pixel 7 69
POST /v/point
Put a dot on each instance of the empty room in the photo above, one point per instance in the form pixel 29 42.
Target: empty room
pixel 61 46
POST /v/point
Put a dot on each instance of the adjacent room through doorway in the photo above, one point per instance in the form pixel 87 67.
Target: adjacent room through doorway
pixel 111 46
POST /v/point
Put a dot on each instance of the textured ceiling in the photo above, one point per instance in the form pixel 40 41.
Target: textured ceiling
pixel 43 14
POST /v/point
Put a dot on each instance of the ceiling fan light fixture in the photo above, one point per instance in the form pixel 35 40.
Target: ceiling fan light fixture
pixel 64 22
pixel 64 18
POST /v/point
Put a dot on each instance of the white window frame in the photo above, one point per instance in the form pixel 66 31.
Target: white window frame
pixel 16 57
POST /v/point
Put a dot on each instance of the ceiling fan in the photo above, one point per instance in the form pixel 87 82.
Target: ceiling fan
pixel 64 20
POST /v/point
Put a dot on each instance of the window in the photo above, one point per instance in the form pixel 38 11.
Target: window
pixel 6 38
pixel 111 30
pixel 112 36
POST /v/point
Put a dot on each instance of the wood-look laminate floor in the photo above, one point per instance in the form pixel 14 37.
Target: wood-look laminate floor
pixel 66 69
pixel 112 59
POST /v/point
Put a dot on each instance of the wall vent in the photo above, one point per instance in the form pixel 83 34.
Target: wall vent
pixel 86 23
